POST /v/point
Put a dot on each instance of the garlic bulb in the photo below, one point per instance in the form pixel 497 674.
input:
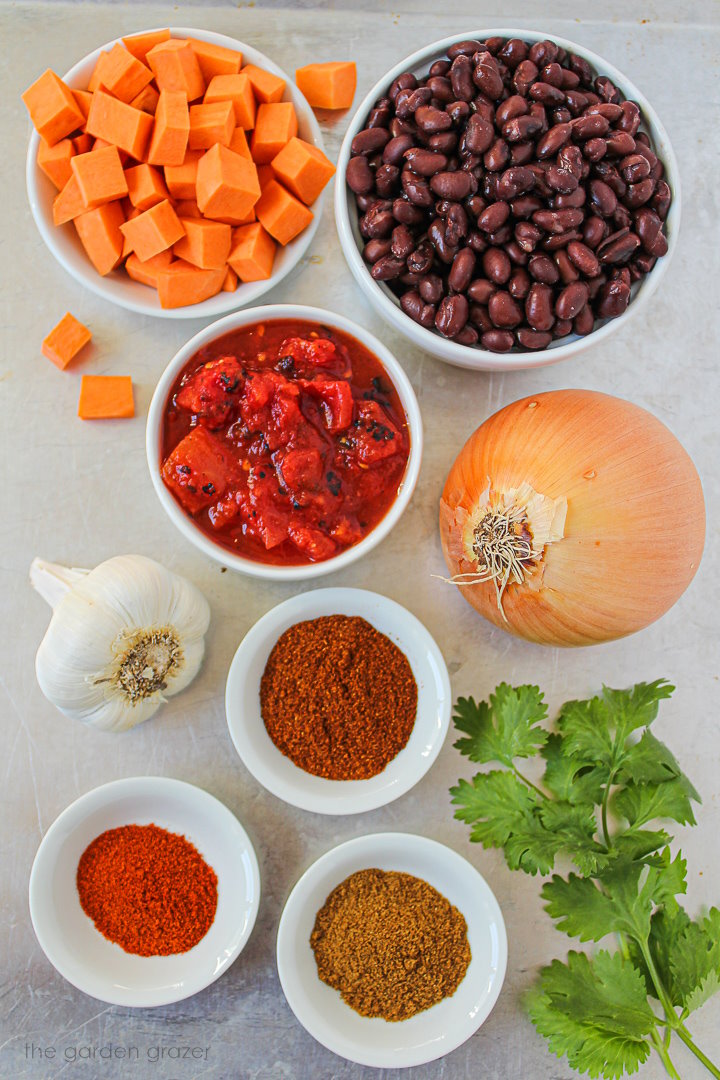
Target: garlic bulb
pixel 122 638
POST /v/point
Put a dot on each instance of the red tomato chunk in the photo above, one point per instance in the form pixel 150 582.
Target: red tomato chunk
pixel 285 442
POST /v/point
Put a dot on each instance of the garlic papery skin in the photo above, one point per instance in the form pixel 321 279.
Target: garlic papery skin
pixel 123 637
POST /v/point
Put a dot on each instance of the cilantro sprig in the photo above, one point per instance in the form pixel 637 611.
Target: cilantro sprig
pixel 606 783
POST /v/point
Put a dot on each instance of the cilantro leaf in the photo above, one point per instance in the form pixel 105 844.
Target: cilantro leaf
pixel 574 828
pixel 649 761
pixel 695 962
pixel 595 1011
pixel 637 707
pixel 567 778
pixel 595 730
pixel 504 728
pixel 495 804
pixel 582 909
pixel 635 845
pixel 666 927
pixel 640 803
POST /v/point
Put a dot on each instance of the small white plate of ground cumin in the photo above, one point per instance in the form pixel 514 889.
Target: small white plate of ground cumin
pixel 366 913
pixel 338 701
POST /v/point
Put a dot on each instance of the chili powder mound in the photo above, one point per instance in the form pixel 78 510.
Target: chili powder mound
pixel 148 890
pixel 390 943
pixel 338 697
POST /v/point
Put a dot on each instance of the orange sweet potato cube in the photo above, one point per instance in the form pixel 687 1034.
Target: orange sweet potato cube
pixel 303 169
pixel 105 397
pixel 100 176
pixel 210 124
pixel 118 123
pixel 141 44
pixel 145 186
pixel 205 244
pixel 253 253
pixel 216 59
pixel 53 109
pixel 65 341
pixel 182 284
pixel 328 86
pixel 187 208
pixel 275 124
pixel 55 161
pixel 281 213
pixel 147 100
pixel 153 231
pixel 85 143
pixel 68 203
pixel 176 67
pixel 171 130
pixel 227 185
pixel 122 74
pixel 267 88
pixel 238 89
pixel 146 272
pixel 239 143
pixel 83 99
pixel 230 283
pixel 180 179
pixel 99 232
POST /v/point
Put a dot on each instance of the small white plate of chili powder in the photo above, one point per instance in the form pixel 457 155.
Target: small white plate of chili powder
pixel 137 828
pixel 338 701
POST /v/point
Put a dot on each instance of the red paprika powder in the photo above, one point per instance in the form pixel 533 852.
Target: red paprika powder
pixel 148 890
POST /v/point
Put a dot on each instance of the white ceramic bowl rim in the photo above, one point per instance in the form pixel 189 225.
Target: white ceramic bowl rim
pixel 117 287
pixel 267 313
pixel 475 356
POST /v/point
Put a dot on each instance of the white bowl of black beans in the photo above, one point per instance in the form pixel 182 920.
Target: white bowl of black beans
pixel 510 199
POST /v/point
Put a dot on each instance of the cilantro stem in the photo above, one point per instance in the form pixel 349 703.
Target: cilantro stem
pixel 529 783
pixel 664 1055
pixel 687 1039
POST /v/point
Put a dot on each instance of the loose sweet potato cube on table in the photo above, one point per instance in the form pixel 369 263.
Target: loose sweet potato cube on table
pixel 238 89
pixel 275 124
pixel 127 128
pixel 227 185
pixel 205 244
pixel 239 143
pixel 182 284
pixel 180 179
pixel 154 230
pixel 68 203
pixel 196 470
pixel 141 44
pixel 281 213
pixel 105 397
pixel 171 129
pixel 83 99
pixel 210 124
pixel 176 67
pixel 328 86
pixel 53 109
pixel 55 161
pixel 230 283
pixel 121 74
pixel 99 232
pixel 145 186
pixel 100 176
pixel 303 169
pixel 147 100
pixel 65 341
pixel 215 59
pixel 267 88
pixel 146 272
pixel 252 254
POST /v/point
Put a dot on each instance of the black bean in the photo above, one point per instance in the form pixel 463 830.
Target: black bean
pixel 452 185
pixel 370 140
pixel 413 305
pixel 359 176
pixel 387 268
pixel 497 340
pixel 496 265
pixel 452 314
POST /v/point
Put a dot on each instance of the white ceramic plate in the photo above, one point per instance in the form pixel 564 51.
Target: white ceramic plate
pixel 430 1034
pixel 68 937
pixel 278 773
pixel 117 287
pixel 387 304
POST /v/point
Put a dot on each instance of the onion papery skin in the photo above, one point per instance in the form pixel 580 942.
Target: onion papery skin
pixel 635 525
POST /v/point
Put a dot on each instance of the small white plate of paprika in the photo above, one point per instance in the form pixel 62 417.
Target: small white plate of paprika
pixel 338 700
pixel 139 843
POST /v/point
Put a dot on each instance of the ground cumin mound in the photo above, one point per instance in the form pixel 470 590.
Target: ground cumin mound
pixel 338 697
pixel 390 943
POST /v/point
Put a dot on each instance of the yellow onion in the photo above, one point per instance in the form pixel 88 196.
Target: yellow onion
pixel 571 518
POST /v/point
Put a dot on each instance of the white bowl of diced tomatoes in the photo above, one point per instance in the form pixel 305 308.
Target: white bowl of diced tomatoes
pixel 273 258
pixel 219 436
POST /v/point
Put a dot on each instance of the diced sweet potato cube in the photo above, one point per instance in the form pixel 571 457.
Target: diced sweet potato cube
pixel 130 213
pixel 182 284
pixel 122 74
pixel 239 144
pixel 127 128
pixel 216 59
pixel 65 341
pixel 147 100
pixel 83 99
pixel 247 220
pixel 180 179
pixel 328 86
pixel 100 176
pixel 265 175
pixel 176 67
pixel 281 213
pixel 205 244
pixel 267 88
pixel 68 203
pixel 171 129
pixel 85 143
pixel 53 110
pixel 55 161
pixel 303 169
pixel 154 230
pixel 196 470
pixel 210 124
pixel 146 272
pixel 145 186
pixel 275 124
pixel 99 232
pixel 252 254
pixel 187 208
pixel 141 44
pixel 238 89
pixel 227 185
pixel 105 397
pixel 96 79
pixel 230 283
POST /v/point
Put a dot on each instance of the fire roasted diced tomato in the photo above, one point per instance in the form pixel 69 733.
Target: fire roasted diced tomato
pixel 335 399
pixel 211 393
pixel 317 352
pixel 197 470
pixel 301 471
pixel 374 436
pixel 313 543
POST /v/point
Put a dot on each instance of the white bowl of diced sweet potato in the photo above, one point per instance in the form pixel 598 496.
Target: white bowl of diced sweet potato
pixel 181 209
